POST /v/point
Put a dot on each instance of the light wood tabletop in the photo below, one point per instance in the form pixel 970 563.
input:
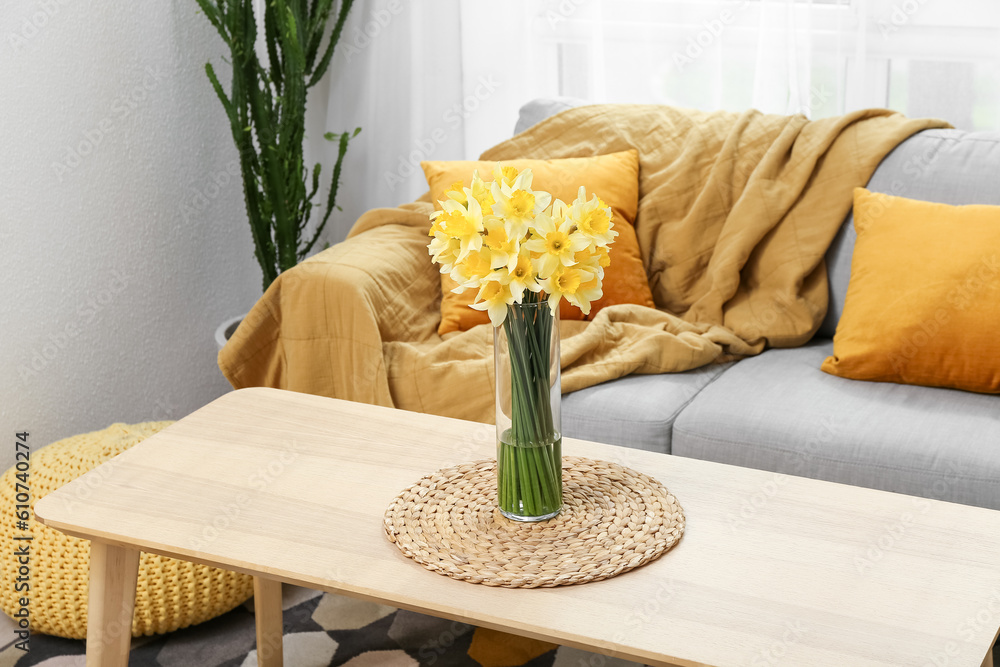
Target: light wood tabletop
pixel 772 569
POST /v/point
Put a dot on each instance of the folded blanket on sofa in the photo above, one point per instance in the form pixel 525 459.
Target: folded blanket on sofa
pixel 735 214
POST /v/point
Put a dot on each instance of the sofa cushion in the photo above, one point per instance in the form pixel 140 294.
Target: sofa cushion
pixel 780 412
pixel 944 166
pixel 923 304
pixel 634 411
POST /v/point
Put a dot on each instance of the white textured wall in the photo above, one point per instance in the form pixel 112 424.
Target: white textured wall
pixel 120 252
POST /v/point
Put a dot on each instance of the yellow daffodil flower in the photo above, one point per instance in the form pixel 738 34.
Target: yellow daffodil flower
pixel 456 192
pixel 521 277
pixel 595 258
pixel 504 248
pixel 482 194
pixel 464 224
pixel 505 175
pixel 517 203
pixel 565 283
pixel 444 251
pixel 494 297
pixel 592 218
pixel 470 271
pixel 436 227
pixel 554 244
pixel 588 291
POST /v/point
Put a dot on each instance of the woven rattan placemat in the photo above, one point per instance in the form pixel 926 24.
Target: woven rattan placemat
pixel 614 520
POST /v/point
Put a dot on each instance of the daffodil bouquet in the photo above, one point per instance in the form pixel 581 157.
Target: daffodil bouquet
pixel 523 253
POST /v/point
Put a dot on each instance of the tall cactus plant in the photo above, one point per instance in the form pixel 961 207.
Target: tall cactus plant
pixel 266 107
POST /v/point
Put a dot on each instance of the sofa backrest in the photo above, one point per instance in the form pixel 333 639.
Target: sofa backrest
pixel 945 166
pixel 541 108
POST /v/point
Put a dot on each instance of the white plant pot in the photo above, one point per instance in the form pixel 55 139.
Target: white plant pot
pixel 226 330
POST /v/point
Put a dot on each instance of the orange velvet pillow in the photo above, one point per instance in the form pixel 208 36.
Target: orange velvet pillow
pixel 613 177
pixel 923 302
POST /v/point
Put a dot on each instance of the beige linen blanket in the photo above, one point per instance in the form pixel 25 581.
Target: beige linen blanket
pixel 735 214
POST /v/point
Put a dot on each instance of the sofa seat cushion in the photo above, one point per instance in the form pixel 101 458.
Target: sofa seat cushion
pixel 634 411
pixel 780 412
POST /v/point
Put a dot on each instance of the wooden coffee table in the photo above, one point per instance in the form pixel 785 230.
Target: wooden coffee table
pixel 772 570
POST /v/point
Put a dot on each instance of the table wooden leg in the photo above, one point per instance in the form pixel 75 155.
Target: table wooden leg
pixel 267 608
pixel 113 572
pixel 988 660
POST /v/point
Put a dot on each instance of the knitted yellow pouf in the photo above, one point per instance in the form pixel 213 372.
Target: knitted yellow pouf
pixel 170 594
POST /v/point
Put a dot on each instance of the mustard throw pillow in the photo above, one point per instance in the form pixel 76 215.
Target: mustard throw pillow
pixel 923 302
pixel 613 177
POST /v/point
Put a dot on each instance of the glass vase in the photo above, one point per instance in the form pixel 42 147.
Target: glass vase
pixel 528 396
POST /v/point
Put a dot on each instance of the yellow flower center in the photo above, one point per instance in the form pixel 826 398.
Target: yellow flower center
pixel 496 237
pixel 475 265
pixel 595 222
pixel 492 290
pixel 522 204
pixel 557 243
pixel 523 270
pixel 568 282
pixel 458 225
pixel 509 175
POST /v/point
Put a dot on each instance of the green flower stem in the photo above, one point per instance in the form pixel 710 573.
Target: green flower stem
pixel 544 475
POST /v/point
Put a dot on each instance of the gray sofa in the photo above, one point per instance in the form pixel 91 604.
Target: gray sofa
pixel 779 412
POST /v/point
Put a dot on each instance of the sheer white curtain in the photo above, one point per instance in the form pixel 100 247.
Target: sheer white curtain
pixel 443 79
pixel 396 74
pixel 818 57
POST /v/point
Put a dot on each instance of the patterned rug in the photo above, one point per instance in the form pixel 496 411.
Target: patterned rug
pixel 320 630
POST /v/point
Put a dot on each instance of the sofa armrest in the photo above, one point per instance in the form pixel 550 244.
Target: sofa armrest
pixel 320 326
